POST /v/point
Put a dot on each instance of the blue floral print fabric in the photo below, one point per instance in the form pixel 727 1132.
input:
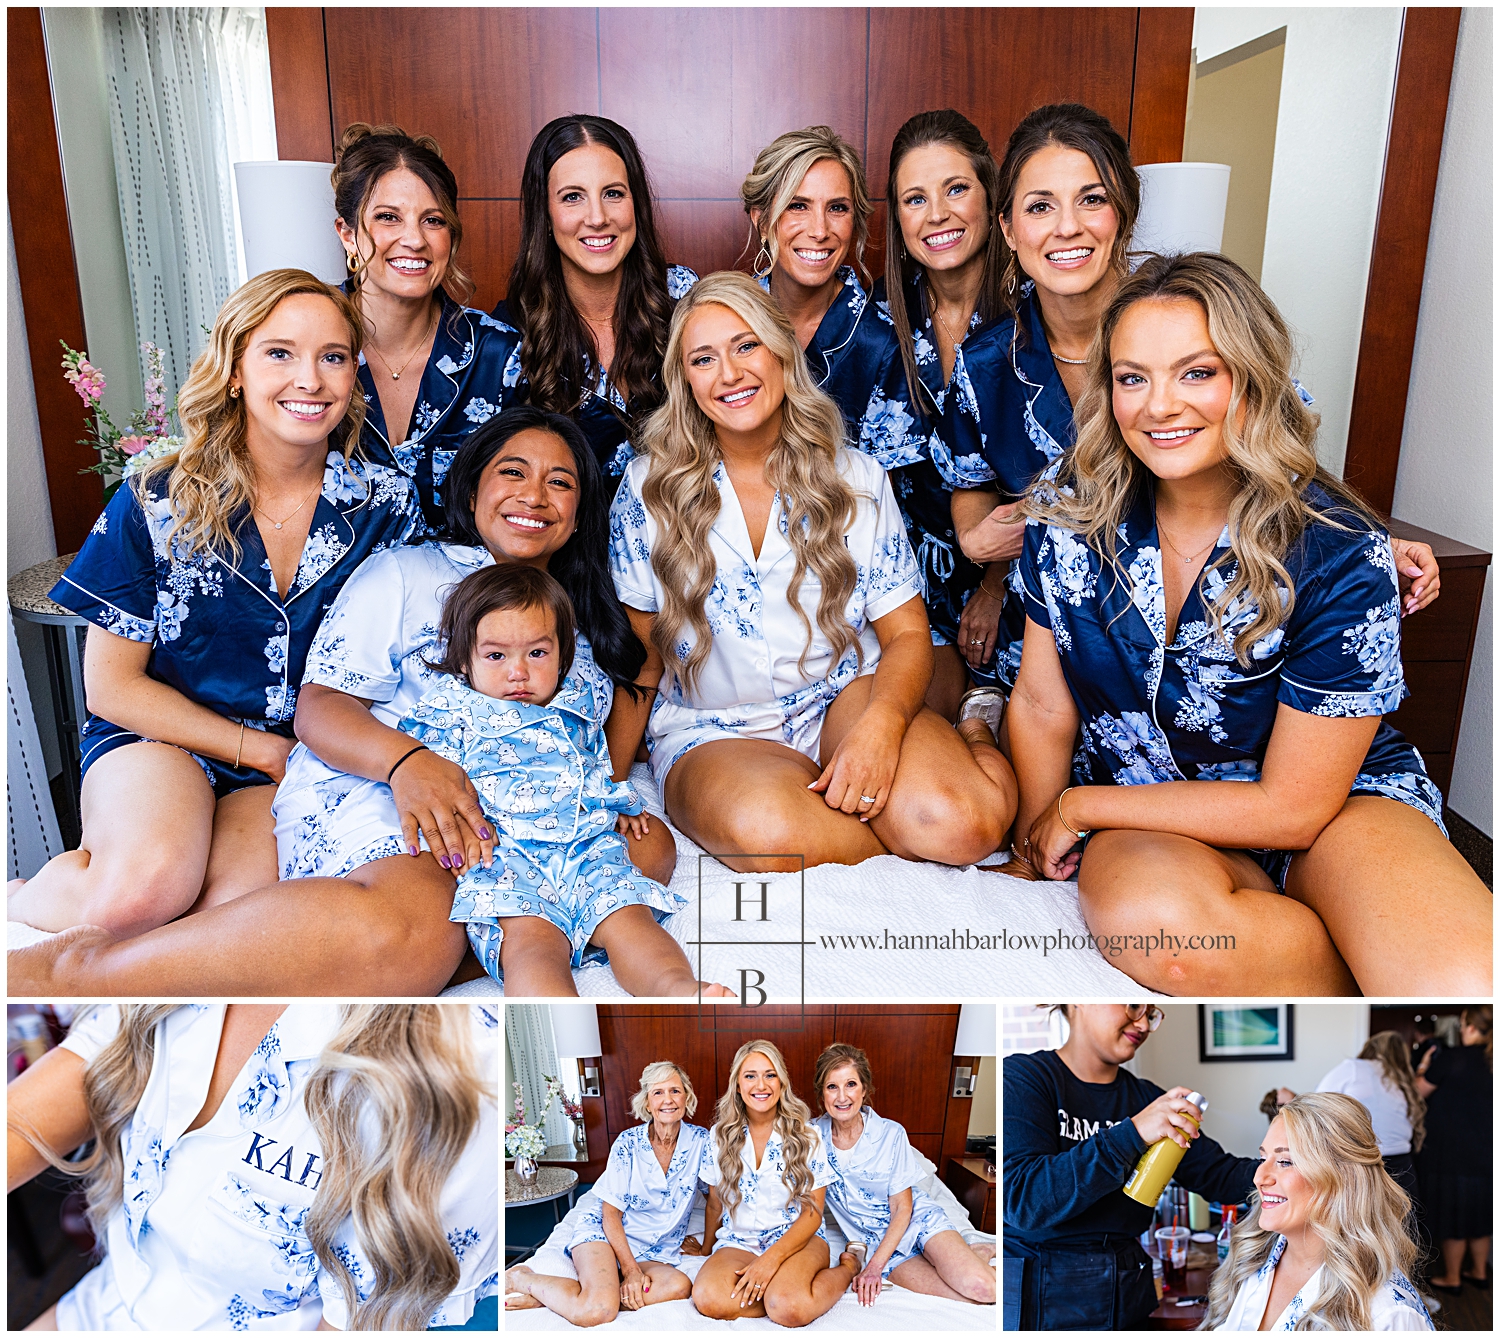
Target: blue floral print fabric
pixel 543 777
pixel 1188 710
pixel 604 415
pixel 766 1210
pixel 881 1164
pixel 1395 1307
pixel 212 1232
pixel 220 632
pixel 472 373
pixel 756 682
pixel 374 644
pixel 654 1205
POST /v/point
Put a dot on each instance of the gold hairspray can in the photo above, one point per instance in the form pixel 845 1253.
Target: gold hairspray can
pixel 1159 1161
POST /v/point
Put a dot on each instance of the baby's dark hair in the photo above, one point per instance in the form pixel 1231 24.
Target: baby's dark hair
pixel 491 589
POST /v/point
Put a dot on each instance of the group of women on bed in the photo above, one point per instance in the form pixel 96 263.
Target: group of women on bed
pixel 795 519
pixel 768 1166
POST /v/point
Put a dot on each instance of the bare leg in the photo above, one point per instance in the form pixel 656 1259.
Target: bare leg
pixel 1135 885
pixel 947 1267
pixel 953 797
pixel 751 795
pixel 384 930
pixel 667 1283
pixel 1404 909
pixel 535 958
pixel 593 1299
pixel 1479 1252
pixel 243 855
pixel 518 1289
pixel 950 680
pixel 655 854
pixel 46 1320
pixel 148 816
pixel 805 1286
pixel 714 1286
pixel 646 959
pixel 1453 1260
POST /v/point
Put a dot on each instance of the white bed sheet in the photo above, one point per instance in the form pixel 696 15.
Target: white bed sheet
pixel 834 935
pixel 896 1309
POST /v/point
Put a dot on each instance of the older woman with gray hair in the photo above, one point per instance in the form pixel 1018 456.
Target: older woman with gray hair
pixel 627 1245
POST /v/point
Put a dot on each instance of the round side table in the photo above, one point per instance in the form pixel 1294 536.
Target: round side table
pixel 62 635
pixel 552 1183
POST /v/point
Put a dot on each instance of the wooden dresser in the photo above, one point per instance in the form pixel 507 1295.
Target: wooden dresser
pixel 1437 645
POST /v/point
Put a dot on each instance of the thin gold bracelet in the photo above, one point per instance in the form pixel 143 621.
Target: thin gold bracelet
pixel 1063 820
pixel 241 748
pixel 1000 598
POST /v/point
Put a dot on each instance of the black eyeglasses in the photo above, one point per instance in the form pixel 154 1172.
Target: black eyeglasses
pixel 1152 1014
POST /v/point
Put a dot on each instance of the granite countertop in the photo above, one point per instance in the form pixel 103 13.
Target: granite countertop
pixel 28 589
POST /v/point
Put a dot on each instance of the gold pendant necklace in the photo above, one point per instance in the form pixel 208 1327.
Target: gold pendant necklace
pixel 277 524
pixel 395 374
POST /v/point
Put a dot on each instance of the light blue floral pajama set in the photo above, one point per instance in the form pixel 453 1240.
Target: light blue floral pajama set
pixel 212 1230
pixel 543 776
pixel 881 1164
pixel 1153 711
pixel 655 1205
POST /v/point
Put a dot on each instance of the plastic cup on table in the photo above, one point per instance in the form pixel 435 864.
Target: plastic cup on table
pixel 1172 1242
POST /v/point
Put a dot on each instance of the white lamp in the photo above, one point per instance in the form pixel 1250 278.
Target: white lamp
pixel 976 1030
pixel 575 1030
pixel 1182 207
pixel 286 219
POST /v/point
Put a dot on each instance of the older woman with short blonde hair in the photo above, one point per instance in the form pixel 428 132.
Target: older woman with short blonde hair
pixel 626 1247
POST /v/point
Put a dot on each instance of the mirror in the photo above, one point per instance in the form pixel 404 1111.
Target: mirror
pixel 530 1059
pixel 1298 103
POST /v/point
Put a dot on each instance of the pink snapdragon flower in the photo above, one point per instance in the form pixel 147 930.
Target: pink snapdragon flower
pixel 155 421
pixel 83 376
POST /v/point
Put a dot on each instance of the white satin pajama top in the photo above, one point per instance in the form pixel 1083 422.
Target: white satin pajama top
pixel 211 1233
pixel 1395 1307
pixel 766 1210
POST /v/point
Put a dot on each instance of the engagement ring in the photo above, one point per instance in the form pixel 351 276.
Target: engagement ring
pixel 867 799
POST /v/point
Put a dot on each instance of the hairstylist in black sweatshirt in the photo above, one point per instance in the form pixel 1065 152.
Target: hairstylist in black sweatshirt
pixel 1075 1126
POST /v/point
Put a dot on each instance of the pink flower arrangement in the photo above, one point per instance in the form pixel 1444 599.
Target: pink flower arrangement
pixel 122 451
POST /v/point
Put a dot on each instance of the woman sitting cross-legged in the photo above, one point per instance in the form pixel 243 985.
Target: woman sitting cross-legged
pixel 767 1170
pixel 768 568
pixel 1221 617
pixel 895 1229
pixel 205 579
pixel 627 1247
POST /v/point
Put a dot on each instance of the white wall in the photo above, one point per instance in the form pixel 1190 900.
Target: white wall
pixel 1323 1035
pixel 1336 85
pixel 80 92
pixel 982 1109
pixel 1445 482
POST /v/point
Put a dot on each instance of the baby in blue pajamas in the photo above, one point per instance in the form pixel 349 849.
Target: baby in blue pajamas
pixel 506 712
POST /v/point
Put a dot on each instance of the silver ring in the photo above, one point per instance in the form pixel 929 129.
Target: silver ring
pixel 867 799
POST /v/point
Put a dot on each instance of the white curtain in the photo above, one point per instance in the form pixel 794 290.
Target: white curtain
pixel 533 1055
pixel 190 95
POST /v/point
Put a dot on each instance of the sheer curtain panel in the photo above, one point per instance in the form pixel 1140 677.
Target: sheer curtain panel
pixel 533 1056
pixel 190 95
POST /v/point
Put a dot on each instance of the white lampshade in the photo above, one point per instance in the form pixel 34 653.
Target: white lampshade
pixel 286 219
pixel 976 1030
pixel 575 1030
pixel 1182 207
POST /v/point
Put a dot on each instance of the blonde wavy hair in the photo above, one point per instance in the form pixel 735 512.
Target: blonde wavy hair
pixel 1389 1049
pixel 817 504
pixel 1268 433
pixel 212 475
pixel 654 1073
pixel 1356 1211
pixel 777 177
pixel 410 1066
pixel 792 1123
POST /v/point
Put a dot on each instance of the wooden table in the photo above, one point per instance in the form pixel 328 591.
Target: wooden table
pixel 1202 1261
pixel 973 1185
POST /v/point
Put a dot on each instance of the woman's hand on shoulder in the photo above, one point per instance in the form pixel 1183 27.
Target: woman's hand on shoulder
pixel 436 797
pixel 864 763
pixel 1417 568
pixel 1172 1116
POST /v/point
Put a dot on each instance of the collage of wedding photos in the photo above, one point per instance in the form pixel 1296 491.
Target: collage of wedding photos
pixel 817 668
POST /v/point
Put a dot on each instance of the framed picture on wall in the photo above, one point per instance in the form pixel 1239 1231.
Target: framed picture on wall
pixel 1228 1035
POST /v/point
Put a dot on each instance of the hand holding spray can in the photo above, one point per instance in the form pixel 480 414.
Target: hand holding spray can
pixel 1160 1161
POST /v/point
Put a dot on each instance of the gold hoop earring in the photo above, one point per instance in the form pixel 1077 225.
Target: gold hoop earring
pixel 352 261
pixel 234 392
pixel 763 254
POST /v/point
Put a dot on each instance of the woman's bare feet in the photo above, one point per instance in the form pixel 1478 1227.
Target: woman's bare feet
pixel 518 1289
pixel 59 966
